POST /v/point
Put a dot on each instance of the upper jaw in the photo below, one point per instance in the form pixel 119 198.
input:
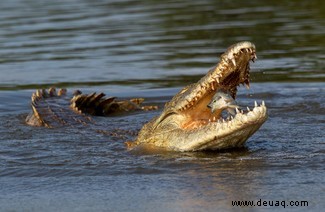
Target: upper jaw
pixel 232 70
pixel 234 66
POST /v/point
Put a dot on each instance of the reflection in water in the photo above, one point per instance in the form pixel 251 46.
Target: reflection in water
pixel 207 192
pixel 219 182
pixel 209 179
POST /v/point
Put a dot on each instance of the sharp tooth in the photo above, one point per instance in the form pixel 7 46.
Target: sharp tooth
pixel 214 118
pixel 212 86
pixel 218 80
pixel 39 93
pixel 246 82
pixel 34 97
pixel 233 61
pixel 255 104
pixel 203 87
pixel 237 111
pixel 263 103
pixel 248 109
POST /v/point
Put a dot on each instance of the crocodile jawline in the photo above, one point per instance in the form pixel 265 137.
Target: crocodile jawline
pixel 187 124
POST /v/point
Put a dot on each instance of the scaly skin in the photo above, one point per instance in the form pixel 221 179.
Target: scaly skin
pixel 55 109
pixel 187 124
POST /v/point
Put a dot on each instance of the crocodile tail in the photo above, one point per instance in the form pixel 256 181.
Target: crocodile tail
pixel 51 108
pixel 96 104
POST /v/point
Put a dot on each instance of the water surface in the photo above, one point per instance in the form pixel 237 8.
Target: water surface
pixel 151 49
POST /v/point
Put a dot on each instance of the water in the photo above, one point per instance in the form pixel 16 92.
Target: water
pixel 152 49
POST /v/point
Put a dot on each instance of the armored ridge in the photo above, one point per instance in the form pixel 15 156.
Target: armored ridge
pixel 51 108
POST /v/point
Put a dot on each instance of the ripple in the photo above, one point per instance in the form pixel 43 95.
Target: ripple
pixel 127 48
pixel 87 41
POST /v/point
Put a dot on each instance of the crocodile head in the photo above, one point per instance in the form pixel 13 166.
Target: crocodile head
pixel 188 124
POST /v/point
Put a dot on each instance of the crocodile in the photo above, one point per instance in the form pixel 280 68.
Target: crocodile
pixel 51 108
pixel 187 123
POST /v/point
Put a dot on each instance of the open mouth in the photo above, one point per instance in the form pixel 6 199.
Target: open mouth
pixel 211 101
pixel 192 120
